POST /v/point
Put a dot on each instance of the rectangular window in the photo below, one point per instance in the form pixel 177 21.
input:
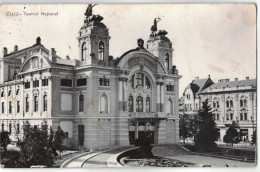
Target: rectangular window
pixel 35 103
pixel 45 82
pixel 27 104
pixel 10 107
pixel 45 103
pixel 18 106
pixel 170 88
pixel 18 128
pixel 66 135
pixel 10 128
pixel 245 116
pixel 66 82
pixel 3 107
pixel 104 82
pixel 27 85
pixel 81 82
pixel 36 83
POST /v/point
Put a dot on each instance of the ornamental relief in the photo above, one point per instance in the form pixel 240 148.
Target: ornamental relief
pixel 141 61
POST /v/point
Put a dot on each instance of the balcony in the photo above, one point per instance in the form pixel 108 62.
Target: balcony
pixel 147 115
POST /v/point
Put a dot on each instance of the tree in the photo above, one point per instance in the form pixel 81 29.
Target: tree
pixel 253 141
pixel 34 148
pixel 207 133
pixel 231 135
pixel 58 139
pixel 4 139
pixel 184 127
pixel 194 124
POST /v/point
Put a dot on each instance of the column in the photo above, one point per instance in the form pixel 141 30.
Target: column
pixel 162 97
pixel 125 94
pixel 136 130
pixel 49 96
pixel 158 97
pixel 120 94
pixel 40 103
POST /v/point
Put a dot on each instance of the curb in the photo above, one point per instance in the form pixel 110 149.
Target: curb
pixel 217 156
pixel 113 160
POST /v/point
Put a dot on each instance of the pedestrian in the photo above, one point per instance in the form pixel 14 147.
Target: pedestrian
pixel 226 165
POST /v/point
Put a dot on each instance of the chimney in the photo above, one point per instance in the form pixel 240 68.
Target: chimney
pixel 247 78
pixel 226 80
pixel 5 51
pixel 209 76
pixel 236 79
pixel 197 77
pixel 53 52
pixel 15 48
pixel 220 80
pixel 68 57
pixel 38 41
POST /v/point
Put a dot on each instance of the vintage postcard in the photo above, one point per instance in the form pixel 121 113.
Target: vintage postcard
pixel 128 85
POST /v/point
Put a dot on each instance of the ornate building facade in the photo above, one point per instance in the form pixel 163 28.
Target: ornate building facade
pixel 97 100
pixel 232 102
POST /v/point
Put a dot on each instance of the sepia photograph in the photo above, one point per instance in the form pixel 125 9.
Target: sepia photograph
pixel 128 85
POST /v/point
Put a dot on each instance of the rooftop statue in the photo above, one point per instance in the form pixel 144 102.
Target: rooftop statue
pixel 154 26
pixel 89 10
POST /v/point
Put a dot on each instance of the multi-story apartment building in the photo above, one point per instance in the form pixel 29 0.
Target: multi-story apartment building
pixel 232 102
pixel 98 100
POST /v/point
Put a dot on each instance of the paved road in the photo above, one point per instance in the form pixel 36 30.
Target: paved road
pixel 96 159
pixel 101 160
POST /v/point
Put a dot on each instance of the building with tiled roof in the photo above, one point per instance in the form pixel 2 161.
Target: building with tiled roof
pixel 191 97
pixel 232 102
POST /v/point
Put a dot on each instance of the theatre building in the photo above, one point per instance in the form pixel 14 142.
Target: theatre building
pixel 99 101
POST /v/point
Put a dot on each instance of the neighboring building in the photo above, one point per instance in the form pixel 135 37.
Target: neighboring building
pixel 98 101
pixel 191 98
pixel 232 101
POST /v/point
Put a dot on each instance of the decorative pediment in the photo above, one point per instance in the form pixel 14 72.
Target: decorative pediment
pixel 230 110
pixel 243 109
pixel 35 62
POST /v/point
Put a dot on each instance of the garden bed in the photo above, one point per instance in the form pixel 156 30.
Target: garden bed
pixel 229 153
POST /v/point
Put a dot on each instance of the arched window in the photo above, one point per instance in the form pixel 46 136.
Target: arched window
pixel 2 94
pixel 36 102
pixel 241 103
pixel 147 104
pixel 103 104
pixel 231 116
pixel 84 51
pixel 169 106
pixel 17 92
pixel 139 104
pixel 139 79
pixel 27 104
pixel 101 50
pixel 81 102
pixel 10 93
pixel 147 82
pixel 231 103
pixel 167 61
pixel 227 103
pixel 130 104
pixel 45 103
pixel 245 103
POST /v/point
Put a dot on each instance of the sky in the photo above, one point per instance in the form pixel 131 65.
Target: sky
pixel 208 39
